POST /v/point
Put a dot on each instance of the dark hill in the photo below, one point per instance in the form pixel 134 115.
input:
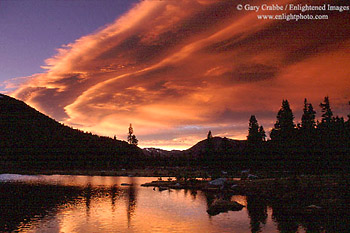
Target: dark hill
pixel 217 145
pixel 30 139
pixel 218 152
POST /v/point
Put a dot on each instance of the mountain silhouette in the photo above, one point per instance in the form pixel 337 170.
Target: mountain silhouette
pixel 216 144
pixel 30 139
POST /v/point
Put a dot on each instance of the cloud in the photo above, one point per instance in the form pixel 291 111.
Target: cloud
pixel 176 69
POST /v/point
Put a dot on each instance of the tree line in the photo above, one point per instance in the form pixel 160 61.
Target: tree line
pixel 310 146
pixel 331 128
pixel 311 143
pixel 30 139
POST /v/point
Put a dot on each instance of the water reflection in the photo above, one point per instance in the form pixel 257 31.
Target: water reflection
pixel 115 194
pixel 131 200
pixel 103 204
pixel 257 211
pixel 285 222
pixel 22 203
pixel 289 221
pixel 87 197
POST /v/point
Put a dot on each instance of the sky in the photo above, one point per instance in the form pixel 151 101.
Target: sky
pixel 174 69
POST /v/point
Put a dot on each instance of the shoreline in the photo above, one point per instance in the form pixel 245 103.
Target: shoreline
pixel 302 196
pixel 135 173
pixel 297 194
pixel 169 172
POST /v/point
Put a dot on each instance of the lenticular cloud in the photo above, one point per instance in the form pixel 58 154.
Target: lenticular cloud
pixel 175 69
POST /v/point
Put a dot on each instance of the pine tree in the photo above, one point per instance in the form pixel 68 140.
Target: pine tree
pixel 327 126
pixel 131 131
pixel 327 115
pixel 308 118
pixel 253 131
pixel 131 137
pixel 256 133
pixel 262 133
pixel 285 117
pixel 210 136
pixel 347 127
pixel 134 140
pixel 284 127
pixel 209 155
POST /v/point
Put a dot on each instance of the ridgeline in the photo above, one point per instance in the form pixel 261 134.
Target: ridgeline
pixel 32 140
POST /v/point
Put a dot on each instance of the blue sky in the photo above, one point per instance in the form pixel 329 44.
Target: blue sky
pixel 32 30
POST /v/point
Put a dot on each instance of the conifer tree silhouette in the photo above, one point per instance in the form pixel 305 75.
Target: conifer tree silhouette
pixel 256 133
pixel 284 128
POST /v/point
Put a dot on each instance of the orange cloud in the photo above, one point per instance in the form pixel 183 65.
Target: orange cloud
pixel 176 69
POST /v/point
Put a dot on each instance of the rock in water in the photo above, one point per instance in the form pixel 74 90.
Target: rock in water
pixel 160 188
pixel 217 182
pixel 220 206
pixel 126 184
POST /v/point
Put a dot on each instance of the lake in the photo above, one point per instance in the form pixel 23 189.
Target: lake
pixel 71 203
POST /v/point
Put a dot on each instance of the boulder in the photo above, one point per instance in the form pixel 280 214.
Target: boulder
pixel 220 206
pixel 252 177
pixel 126 184
pixel 160 188
pixel 218 182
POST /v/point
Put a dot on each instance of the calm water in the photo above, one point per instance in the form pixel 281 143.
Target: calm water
pixel 64 203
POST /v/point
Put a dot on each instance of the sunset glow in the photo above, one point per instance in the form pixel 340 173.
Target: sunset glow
pixel 177 69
